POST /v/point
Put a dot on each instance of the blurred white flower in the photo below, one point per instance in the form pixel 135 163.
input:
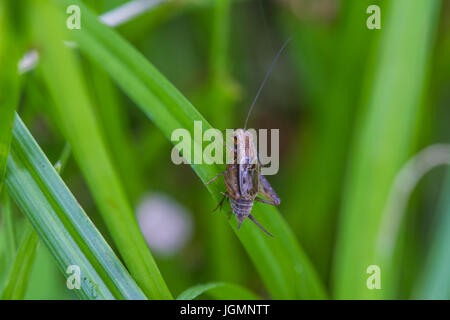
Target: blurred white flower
pixel 165 224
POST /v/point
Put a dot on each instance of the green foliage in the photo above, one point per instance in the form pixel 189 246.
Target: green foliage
pixel 435 278
pixel 8 218
pixel 74 113
pixel 218 290
pixel 331 62
pixel 62 224
pixel 353 105
pixel 16 286
pixel 279 259
pixel 383 141
pixel 10 50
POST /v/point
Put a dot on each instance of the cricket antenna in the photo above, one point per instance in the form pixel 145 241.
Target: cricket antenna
pixel 262 228
pixel 265 79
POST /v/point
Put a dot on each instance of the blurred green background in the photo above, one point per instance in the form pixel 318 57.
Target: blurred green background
pixel 353 106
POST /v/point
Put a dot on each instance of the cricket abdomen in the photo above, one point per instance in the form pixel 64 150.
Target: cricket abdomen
pixel 241 208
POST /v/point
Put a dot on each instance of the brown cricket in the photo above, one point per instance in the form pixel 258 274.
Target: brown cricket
pixel 242 177
pixel 244 181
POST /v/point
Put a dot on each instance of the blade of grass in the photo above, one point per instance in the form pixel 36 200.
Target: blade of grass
pixel 384 138
pixel 61 223
pixel 17 282
pixel 18 279
pixel 31 58
pixel 277 260
pixel 61 163
pixel 335 82
pixel 222 244
pixel 218 290
pixel 9 79
pixel 10 46
pixel 7 215
pixel 231 291
pixel 73 112
pixel 394 217
pixel 434 282
pixel 113 119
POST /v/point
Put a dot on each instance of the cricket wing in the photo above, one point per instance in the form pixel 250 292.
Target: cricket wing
pixel 248 181
pixel 232 181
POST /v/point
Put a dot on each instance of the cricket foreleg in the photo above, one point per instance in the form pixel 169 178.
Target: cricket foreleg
pixel 226 195
pixel 220 203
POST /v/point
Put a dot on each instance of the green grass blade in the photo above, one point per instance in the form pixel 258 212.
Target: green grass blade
pixel 74 113
pixel 282 263
pixel 332 71
pixel 61 163
pixel 17 282
pixel 10 46
pixel 7 215
pixel 113 119
pixel 434 283
pixel 218 91
pixel 61 223
pixel 384 139
pixel 277 260
pixel 18 279
pixel 9 80
pixel 218 290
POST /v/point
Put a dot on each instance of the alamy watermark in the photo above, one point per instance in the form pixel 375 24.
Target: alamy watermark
pixel 74 281
pixel 213 153
pixel 374 20
pixel 374 279
pixel 74 19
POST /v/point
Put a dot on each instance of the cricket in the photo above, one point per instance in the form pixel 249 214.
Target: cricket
pixel 243 179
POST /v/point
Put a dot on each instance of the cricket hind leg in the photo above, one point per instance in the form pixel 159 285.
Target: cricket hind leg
pixel 272 202
pixel 260 226
pixel 266 190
